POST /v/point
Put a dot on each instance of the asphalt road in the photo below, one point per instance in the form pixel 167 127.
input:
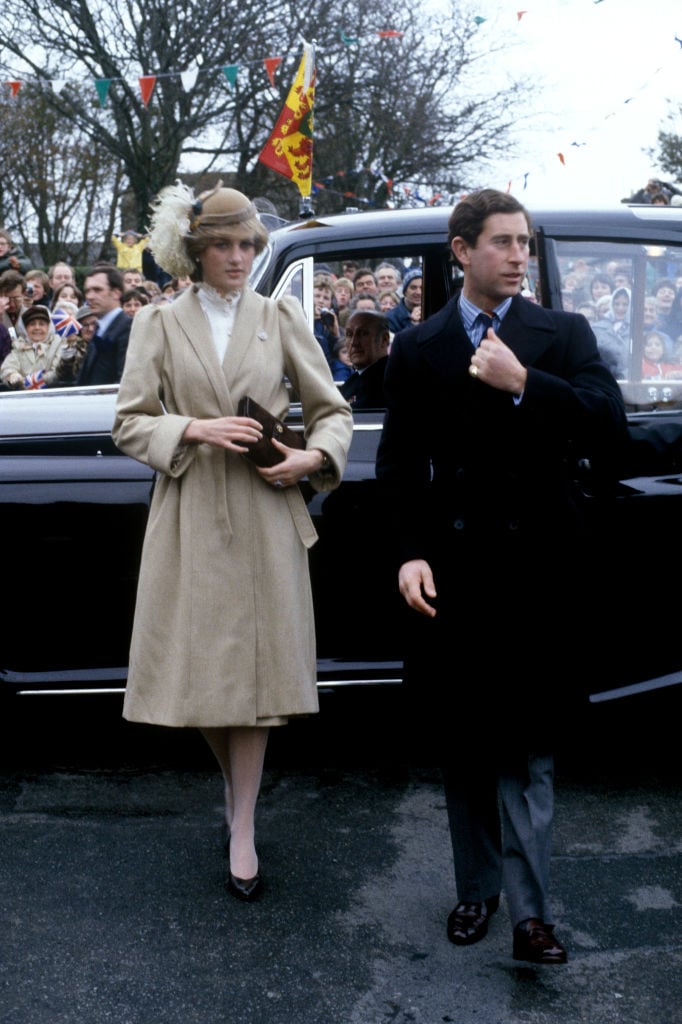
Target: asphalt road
pixel 113 908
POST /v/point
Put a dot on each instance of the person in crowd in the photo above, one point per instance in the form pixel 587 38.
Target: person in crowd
pixel 588 310
pixel 223 636
pixel 13 290
pixel 72 353
pixel 106 353
pixel 365 300
pixel 619 311
pixel 613 347
pixel 11 257
pixel 325 324
pixel 365 281
pixel 409 309
pixel 37 288
pixel 487 534
pixel 601 284
pixel 367 341
pixel 343 294
pixel 132 279
pixel 655 363
pixel 350 269
pixel 388 278
pixel 649 313
pixel 133 300
pixel 388 301
pixel 34 352
pixel 341 367
pixel 67 293
pixel 58 274
pixel 129 247
pixel 664 293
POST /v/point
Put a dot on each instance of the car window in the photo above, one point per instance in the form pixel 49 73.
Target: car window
pixel 631 294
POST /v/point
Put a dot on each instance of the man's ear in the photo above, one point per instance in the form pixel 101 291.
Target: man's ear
pixel 460 250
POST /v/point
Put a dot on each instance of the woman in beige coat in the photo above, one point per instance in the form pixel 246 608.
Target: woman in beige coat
pixel 223 637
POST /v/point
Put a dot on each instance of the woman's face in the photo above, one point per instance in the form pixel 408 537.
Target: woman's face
pixel 68 294
pixel 37 330
pixel 620 307
pixel 600 288
pixel 226 265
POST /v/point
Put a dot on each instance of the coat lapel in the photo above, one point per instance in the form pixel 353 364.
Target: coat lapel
pixel 192 320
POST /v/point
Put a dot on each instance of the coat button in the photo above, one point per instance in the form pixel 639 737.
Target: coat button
pixel 513 524
pixel 458 524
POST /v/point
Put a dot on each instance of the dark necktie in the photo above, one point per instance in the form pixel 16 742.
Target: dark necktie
pixel 485 321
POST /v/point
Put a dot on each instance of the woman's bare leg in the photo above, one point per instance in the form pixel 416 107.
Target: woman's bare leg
pixel 240 752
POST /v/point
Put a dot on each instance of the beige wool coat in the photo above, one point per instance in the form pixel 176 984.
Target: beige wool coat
pixel 223 631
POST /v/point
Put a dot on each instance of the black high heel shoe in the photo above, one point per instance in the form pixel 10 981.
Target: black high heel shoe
pixel 246 889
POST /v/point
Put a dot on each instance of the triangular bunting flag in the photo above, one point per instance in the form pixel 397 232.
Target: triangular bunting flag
pixel 289 150
pixel 102 86
pixel 189 79
pixel 271 65
pixel 147 83
pixel 14 86
pixel 230 72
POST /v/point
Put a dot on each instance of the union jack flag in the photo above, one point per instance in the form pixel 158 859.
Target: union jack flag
pixel 65 323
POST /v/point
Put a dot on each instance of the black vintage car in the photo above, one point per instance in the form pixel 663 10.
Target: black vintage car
pixel 73 508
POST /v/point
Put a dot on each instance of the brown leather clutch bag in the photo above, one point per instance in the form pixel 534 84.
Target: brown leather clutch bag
pixel 263 452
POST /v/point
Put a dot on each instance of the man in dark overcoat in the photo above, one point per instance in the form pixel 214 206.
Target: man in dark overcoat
pixel 490 403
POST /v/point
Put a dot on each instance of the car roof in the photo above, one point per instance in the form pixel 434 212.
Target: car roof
pixel 387 231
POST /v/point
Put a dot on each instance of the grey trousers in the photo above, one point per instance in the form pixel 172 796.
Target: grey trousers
pixel 501 829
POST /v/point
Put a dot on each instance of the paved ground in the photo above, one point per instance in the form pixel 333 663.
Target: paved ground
pixel 113 909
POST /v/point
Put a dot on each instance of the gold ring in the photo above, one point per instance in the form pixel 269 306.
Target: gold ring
pixel 473 370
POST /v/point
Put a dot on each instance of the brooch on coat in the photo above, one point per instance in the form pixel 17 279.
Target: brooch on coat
pixel 262 335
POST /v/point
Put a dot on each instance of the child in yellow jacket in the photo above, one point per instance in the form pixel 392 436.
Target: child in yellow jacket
pixel 129 248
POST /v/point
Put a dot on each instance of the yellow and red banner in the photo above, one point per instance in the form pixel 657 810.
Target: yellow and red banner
pixel 289 150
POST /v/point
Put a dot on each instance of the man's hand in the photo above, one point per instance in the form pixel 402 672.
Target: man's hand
pixel 497 366
pixel 415 582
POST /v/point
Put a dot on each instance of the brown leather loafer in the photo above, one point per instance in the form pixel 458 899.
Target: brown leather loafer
pixel 468 922
pixel 534 941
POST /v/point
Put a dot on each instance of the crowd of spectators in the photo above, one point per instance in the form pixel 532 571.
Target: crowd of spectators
pixel 651 347
pixel 390 293
pixel 47 324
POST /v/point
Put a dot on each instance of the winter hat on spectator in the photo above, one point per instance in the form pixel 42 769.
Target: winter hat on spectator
pixel 36 313
pixel 410 276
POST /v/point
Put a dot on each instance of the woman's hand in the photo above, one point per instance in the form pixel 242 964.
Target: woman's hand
pixel 224 432
pixel 296 465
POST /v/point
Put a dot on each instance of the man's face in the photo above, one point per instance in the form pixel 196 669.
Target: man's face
pixel 322 299
pixel 413 293
pixel 495 267
pixel 365 283
pixel 100 297
pixel 61 274
pixel 387 279
pixel 365 344
pixel 4 246
pixel 132 278
pixel 15 302
pixel 665 297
